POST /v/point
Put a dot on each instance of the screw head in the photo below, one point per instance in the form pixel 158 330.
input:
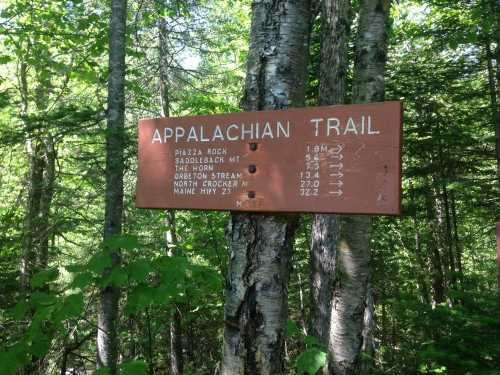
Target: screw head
pixel 253 146
pixel 251 194
pixel 252 168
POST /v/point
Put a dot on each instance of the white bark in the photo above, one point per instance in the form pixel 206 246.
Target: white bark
pixel 335 25
pixel 260 245
pixel 354 253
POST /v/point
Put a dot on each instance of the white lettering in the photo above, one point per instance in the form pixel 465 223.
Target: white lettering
pixel 217 134
pixel 192 135
pixel 267 131
pixel 179 133
pixel 316 122
pixel 370 131
pixel 227 132
pixel 245 131
pixel 156 137
pixel 332 123
pixel 351 127
pixel 167 133
pixel 286 133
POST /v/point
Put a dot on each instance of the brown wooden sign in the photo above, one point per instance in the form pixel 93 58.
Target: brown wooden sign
pixel 335 159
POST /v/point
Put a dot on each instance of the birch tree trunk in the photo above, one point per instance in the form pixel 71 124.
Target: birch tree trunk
pixel 354 254
pixel 335 26
pixel 107 316
pixel 260 245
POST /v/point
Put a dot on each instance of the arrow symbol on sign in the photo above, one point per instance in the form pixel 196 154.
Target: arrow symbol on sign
pixel 338 174
pixel 339 165
pixel 337 193
pixel 339 156
pixel 338 149
pixel 338 183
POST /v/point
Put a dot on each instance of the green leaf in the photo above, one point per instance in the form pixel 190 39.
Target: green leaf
pixel 291 328
pixel 40 346
pixel 101 371
pixel 140 297
pixel 99 262
pixel 40 299
pixel 44 276
pixel 118 276
pixel 19 310
pixel 311 341
pixel 74 267
pixel 5 59
pixel 134 368
pixel 310 361
pixel 121 241
pixel 139 269
pixel 72 306
pixel 82 280
pixel 12 359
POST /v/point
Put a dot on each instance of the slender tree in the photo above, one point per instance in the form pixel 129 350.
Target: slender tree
pixel 175 326
pixel 496 37
pixel 495 98
pixel 353 269
pixel 107 339
pixel 335 26
pixel 260 245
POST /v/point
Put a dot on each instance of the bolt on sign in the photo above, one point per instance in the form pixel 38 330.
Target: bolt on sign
pixel 334 159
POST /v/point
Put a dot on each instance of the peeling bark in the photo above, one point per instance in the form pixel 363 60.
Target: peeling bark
pixel 335 27
pixel 354 253
pixel 256 294
pixel 349 295
pixel 261 245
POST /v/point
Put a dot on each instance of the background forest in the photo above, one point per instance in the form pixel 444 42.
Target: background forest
pixel 435 293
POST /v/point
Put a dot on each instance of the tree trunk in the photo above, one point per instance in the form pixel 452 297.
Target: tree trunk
pixel 34 187
pixel 421 268
pixel 32 215
pixel 438 282
pixel 456 240
pixel 107 338
pixel 354 253
pixel 260 245
pixel 49 175
pixel 175 326
pixel 368 347
pixel 494 87
pixel 496 112
pixel 176 360
pixel 335 25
